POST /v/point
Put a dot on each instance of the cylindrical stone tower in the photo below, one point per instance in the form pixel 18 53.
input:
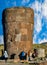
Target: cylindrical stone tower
pixel 18 29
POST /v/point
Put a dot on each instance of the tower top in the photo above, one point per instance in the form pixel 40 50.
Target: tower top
pixel 19 14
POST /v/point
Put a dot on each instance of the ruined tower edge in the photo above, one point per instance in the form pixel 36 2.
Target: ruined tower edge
pixel 18 24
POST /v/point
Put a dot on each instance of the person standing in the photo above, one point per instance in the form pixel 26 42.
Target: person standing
pixel 29 55
pixel 5 55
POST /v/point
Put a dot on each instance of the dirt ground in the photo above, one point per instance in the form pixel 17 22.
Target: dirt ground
pixel 15 64
pixel 10 62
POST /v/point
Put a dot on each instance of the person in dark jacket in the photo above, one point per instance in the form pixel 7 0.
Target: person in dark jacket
pixel 23 55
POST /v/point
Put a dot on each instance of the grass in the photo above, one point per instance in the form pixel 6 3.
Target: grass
pixel 44 46
pixel 1 48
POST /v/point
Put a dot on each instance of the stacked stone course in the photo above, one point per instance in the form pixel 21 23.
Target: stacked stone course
pixel 18 25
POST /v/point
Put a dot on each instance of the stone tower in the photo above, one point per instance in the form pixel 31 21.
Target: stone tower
pixel 18 25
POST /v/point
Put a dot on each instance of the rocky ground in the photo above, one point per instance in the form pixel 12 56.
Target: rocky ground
pixel 10 62
pixel 13 64
pixel 3 63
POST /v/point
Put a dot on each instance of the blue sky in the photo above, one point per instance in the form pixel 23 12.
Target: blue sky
pixel 40 17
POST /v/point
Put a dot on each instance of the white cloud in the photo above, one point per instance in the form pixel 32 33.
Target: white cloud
pixel 24 2
pixel 44 40
pixel 37 16
pixel 36 6
pixel 44 9
pixel 1 39
pixel 38 26
pixel 39 40
pixel 34 38
pixel 40 11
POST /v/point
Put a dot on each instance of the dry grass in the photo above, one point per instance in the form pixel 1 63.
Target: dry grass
pixel 1 48
pixel 44 46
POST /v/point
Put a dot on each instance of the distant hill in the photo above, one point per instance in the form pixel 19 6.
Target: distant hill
pixel 1 44
pixel 44 43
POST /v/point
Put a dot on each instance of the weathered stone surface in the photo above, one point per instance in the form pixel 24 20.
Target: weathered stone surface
pixel 42 63
pixel 18 26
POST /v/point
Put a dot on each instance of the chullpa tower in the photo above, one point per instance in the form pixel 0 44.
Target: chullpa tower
pixel 18 24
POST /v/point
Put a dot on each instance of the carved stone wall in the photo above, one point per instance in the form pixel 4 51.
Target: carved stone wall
pixel 18 29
